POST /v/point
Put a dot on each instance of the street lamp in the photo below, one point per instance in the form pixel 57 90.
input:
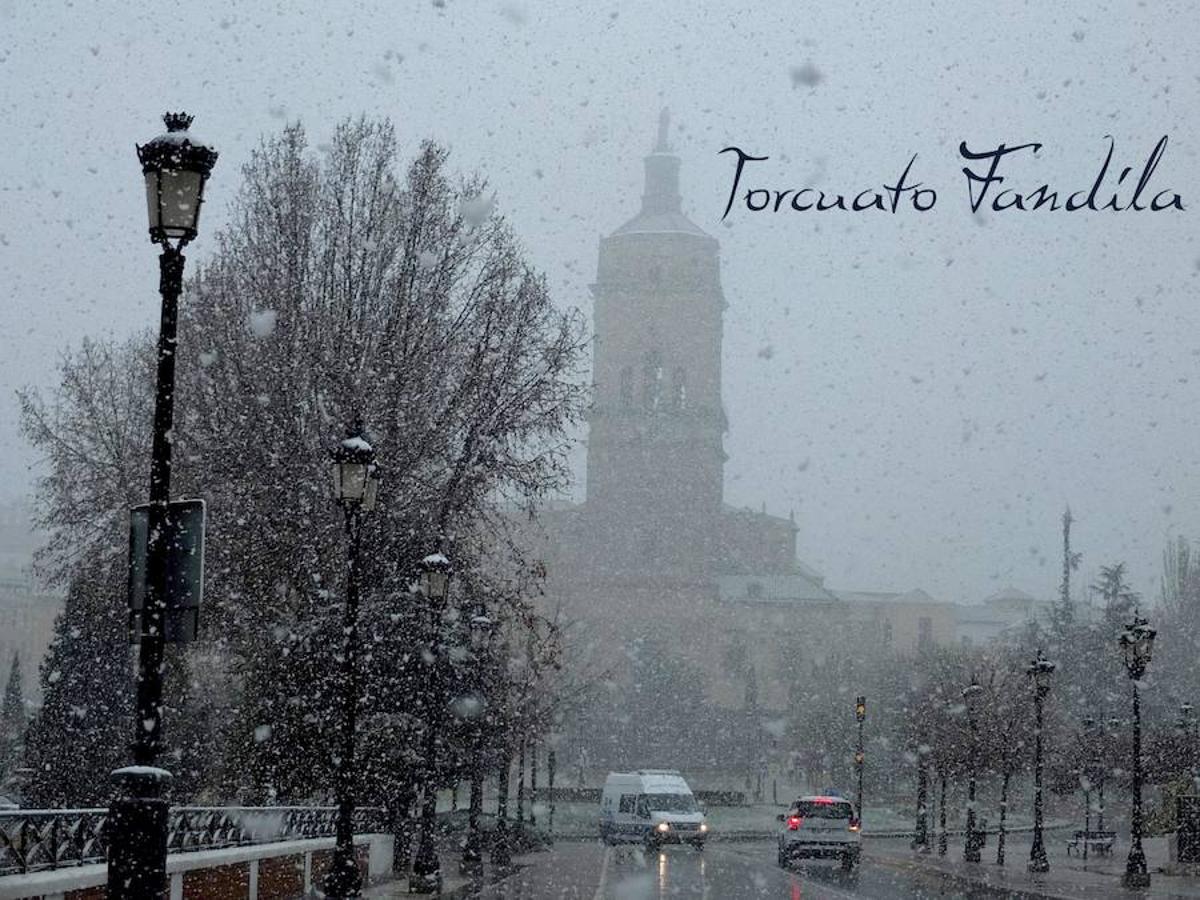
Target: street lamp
pixel 1137 643
pixel 971 696
pixel 355 484
pixel 427 868
pixel 860 714
pixel 481 628
pixel 1039 672
pixel 176 166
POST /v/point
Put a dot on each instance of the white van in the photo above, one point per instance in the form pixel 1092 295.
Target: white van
pixel 651 807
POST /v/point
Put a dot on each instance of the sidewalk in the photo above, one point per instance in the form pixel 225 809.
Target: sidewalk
pixel 453 884
pixel 1069 878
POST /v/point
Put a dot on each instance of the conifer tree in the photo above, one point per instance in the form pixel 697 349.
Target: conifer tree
pixel 12 721
pixel 81 732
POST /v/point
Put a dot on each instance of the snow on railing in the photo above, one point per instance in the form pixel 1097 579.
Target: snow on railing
pixel 32 840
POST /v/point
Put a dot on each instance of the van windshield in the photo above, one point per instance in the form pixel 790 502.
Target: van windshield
pixel 670 802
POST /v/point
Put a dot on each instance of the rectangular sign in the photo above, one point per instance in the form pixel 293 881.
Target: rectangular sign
pixel 185 568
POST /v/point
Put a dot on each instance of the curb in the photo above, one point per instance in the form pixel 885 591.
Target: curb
pixel 1010 890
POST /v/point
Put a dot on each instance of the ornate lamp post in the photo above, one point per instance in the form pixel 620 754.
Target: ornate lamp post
pixel 1039 672
pixel 482 628
pixel 971 695
pixel 921 833
pixel 1137 643
pixel 427 868
pixel 176 166
pixel 860 714
pixel 501 852
pixel 1187 728
pixel 355 484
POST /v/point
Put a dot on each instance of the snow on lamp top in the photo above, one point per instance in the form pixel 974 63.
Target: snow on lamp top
pixel 1040 671
pixel 176 166
pixel 435 576
pixel 355 474
pixel 1137 643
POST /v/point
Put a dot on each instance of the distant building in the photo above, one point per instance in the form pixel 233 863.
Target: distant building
pixel 27 614
pixel 998 615
pixel 903 622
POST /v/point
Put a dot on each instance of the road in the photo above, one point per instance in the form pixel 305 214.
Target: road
pixel 726 871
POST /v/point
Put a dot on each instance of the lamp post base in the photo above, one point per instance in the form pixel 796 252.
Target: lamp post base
pixel 1039 863
pixel 971 852
pixel 472 855
pixel 470 867
pixel 137 819
pixel 425 882
pixel 343 878
pixel 501 855
pixel 1136 880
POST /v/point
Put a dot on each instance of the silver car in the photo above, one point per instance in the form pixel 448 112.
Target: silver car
pixel 821 827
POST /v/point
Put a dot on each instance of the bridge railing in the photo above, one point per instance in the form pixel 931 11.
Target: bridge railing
pixel 36 840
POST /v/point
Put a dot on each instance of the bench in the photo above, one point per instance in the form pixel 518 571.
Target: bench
pixel 1092 841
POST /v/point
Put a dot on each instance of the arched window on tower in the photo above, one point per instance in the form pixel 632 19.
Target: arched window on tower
pixel 679 388
pixel 627 386
pixel 652 374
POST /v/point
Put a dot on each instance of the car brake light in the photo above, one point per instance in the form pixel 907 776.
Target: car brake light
pixel 794 823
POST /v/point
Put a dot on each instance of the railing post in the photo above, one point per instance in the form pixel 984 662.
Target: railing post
pixel 54 843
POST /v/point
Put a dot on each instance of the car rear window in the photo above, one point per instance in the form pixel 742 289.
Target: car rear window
pixel 816 809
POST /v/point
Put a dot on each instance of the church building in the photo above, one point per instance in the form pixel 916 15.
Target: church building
pixel 661 585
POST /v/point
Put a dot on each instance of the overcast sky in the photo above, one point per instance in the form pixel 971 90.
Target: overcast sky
pixel 927 391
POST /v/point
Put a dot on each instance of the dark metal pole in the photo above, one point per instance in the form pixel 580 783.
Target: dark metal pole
pixel 859 760
pixel 1087 820
pixel 501 855
pixel 533 788
pixel 921 836
pixel 1037 853
pixel 344 878
pixel 971 843
pixel 426 874
pixel 472 851
pixel 942 812
pixel 137 855
pixel 427 868
pixel 550 766
pixel 1136 873
pixel 1003 818
pixel 521 786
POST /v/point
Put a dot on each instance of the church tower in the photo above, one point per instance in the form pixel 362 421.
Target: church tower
pixel 655 456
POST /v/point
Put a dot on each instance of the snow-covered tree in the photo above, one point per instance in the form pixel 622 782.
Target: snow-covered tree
pixel 12 720
pixel 81 733
pixel 342 287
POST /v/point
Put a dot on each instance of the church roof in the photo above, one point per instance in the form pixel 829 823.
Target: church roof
pixel 772 589
pixel 914 597
pixel 661 211
pixel 1010 594
pixel 667 223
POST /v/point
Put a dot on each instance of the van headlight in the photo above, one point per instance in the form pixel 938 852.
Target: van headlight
pixel 703 827
pixel 663 827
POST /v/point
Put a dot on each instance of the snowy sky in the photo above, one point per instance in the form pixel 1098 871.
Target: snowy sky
pixel 926 391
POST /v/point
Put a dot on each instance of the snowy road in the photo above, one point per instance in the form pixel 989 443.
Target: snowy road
pixel 589 871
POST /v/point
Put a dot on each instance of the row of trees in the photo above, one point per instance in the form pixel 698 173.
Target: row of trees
pixel 918 719
pixel 341 287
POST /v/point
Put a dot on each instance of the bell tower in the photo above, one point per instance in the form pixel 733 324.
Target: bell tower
pixel 655 456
